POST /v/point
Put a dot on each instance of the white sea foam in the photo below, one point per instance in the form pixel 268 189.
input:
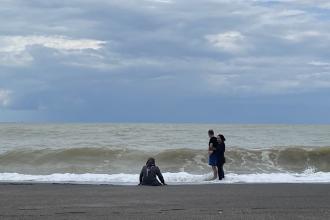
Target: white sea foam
pixel 171 178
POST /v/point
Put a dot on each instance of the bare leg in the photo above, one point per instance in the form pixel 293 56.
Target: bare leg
pixel 215 172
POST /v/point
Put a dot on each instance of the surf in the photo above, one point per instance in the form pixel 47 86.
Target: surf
pixel 308 176
pixel 111 161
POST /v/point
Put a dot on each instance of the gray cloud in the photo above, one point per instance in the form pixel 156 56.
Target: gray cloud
pixel 82 56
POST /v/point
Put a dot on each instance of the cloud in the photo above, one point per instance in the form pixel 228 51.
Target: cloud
pixel 20 43
pixel 5 97
pixel 299 36
pixel 253 76
pixel 98 57
pixel 14 49
pixel 161 1
pixel 315 3
pixel 231 41
pixel 319 63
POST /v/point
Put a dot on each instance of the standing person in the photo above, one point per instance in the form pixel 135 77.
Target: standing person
pixel 149 174
pixel 213 157
pixel 221 155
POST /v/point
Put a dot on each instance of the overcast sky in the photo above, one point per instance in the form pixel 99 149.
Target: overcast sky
pixel 229 61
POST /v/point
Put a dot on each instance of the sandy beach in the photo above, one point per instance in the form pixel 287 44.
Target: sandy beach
pixel 218 201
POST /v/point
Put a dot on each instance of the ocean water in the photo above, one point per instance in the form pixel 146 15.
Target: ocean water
pixel 114 153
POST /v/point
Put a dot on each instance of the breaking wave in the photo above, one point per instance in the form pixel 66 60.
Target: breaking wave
pixel 240 161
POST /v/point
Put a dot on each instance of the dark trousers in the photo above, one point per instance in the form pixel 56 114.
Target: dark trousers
pixel 221 172
pixel 152 183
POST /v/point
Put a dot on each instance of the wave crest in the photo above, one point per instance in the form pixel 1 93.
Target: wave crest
pixel 110 161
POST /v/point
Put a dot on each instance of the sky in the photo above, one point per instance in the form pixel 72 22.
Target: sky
pixel 212 61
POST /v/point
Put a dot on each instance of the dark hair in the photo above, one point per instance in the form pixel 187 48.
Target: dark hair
pixel 150 162
pixel 222 137
pixel 211 132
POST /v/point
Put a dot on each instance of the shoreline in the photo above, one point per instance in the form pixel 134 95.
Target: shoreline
pixel 208 201
pixel 180 178
pixel 168 184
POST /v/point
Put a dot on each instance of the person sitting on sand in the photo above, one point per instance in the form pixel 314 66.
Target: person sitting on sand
pixel 149 174
pixel 213 157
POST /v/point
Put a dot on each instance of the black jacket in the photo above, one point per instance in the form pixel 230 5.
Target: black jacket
pixel 221 153
pixel 148 176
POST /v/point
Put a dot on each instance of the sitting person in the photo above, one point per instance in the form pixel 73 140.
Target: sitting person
pixel 149 173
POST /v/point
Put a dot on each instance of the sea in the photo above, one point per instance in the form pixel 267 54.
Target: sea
pixel 114 153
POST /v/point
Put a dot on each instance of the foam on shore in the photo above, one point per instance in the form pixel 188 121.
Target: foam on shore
pixel 173 178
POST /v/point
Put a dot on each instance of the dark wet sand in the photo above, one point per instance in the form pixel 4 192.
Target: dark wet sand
pixel 222 201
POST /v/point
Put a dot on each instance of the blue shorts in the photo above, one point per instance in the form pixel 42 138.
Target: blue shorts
pixel 213 160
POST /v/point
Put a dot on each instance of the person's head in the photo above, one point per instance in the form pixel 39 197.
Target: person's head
pixel 211 133
pixel 221 138
pixel 150 162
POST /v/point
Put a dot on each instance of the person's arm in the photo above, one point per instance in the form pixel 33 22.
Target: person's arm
pixel 212 147
pixel 160 176
pixel 141 175
pixel 215 143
